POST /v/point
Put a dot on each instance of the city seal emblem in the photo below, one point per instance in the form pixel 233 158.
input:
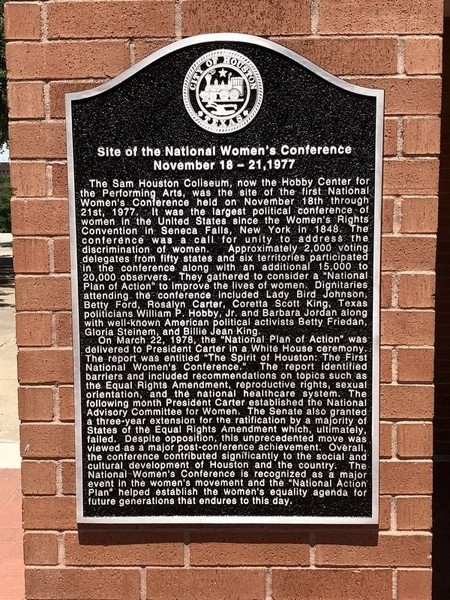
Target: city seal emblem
pixel 223 91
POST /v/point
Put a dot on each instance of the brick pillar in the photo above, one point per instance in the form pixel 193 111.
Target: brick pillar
pixel 56 47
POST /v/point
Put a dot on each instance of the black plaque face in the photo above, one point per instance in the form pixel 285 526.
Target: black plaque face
pixel 225 224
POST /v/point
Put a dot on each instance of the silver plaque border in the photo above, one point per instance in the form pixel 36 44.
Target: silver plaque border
pixel 378 151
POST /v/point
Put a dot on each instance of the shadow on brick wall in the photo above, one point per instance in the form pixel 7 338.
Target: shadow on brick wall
pixel 441 474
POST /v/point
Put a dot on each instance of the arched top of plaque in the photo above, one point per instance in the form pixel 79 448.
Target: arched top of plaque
pixel 240 38
pixel 223 90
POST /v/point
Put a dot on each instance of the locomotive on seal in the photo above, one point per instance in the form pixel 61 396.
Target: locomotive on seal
pixel 232 90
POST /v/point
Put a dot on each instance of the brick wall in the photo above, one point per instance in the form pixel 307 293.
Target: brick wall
pixel 441 479
pixel 56 47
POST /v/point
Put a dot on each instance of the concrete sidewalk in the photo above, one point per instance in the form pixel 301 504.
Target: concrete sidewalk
pixel 12 580
pixel 12 585
pixel 9 423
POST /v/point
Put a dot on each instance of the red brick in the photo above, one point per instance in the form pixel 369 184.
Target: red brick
pixel 386 290
pixel 37 140
pixel 411 177
pixel 271 18
pixel 82 584
pixel 112 19
pixel 379 16
pixel 423 56
pixel 25 100
pixel 415 440
pixel 59 180
pixel 38 478
pixel 47 440
pixel 388 215
pixel 349 56
pixel 43 293
pixel 49 512
pixel 385 440
pixel 416 365
pixel 31 255
pixel 390 137
pixel 66 60
pixel 145 548
pixel 385 513
pixel 68 469
pixel 419 215
pixel 66 403
pixel 40 548
pixel 35 403
pixel 408 253
pixel 421 135
pixel 146 47
pixel 33 329
pixel 327 584
pixel 407 401
pixel 58 90
pixel 407 327
pixel 367 549
pixel 234 548
pixel 416 291
pixel 22 21
pixel 28 179
pixel 407 95
pixel 200 584
pixel 413 585
pixel 406 477
pixel 414 513
pixel 40 216
pixel 53 365
pixel 63 326
pixel 386 365
pixel 61 252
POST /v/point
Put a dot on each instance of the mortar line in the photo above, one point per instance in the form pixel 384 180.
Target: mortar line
pixel 315 13
pixel 269 584
pixel 178 19
pixel 143 583
pixel 187 550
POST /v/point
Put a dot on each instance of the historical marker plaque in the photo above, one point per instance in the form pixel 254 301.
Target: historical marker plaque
pixel 225 224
